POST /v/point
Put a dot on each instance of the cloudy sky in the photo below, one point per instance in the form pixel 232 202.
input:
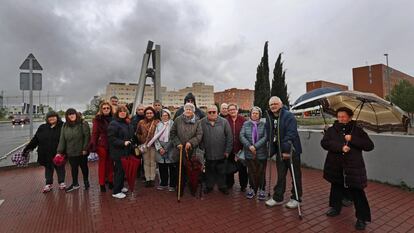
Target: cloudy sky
pixel 83 45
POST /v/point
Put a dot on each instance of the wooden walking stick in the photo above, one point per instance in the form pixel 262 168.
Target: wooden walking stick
pixel 180 167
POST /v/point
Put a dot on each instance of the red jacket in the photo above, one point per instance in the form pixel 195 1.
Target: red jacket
pixel 99 137
pixel 235 129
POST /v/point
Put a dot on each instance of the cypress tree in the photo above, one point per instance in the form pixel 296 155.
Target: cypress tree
pixel 279 87
pixel 262 84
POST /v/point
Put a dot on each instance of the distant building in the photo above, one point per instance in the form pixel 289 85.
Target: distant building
pixel 374 79
pixel 321 83
pixel 242 97
pixel 126 93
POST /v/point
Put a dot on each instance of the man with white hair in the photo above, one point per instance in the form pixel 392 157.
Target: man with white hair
pixel 281 127
pixel 224 110
pixel 218 144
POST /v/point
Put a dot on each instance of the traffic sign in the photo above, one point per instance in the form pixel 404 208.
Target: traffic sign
pixel 36 65
pixel 25 82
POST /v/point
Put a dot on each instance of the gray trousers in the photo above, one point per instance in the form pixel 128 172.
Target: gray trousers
pixel 282 168
pixel 213 176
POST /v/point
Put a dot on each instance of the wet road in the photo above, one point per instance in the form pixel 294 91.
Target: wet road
pixel 14 136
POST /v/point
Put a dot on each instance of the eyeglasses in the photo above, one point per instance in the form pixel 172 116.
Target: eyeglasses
pixel 106 108
pixel 212 112
pixel 232 109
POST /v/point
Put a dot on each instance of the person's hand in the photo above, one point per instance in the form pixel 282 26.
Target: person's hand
pixel 348 137
pixel 285 156
pixel 188 146
pixel 226 155
pixel 126 143
pixel 252 149
pixel 346 149
pixel 84 152
pixel 162 151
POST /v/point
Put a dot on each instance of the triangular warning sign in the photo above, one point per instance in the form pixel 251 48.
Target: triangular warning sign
pixel 35 63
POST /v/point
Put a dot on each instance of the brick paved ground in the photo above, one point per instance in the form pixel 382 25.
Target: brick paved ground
pixel 26 209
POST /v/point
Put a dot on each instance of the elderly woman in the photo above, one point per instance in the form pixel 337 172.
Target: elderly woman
pixel 120 139
pixel 145 132
pixel 46 140
pixel 74 143
pixel 344 165
pixel 99 144
pixel 253 137
pixel 165 150
pixel 186 132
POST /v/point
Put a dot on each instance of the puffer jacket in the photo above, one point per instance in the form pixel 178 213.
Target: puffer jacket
pixel 74 138
pixel 247 141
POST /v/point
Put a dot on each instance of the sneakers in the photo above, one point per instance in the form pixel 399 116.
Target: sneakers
pixel 62 186
pixel 119 195
pixel 360 225
pixel 224 191
pixel 332 212
pixel 47 188
pixel 161 187
pixel 171 189
pixel 250 194
pixel 272 202
pixel 72 188
pixel 292 204
pixel 124 190
pixel 87 185
pixel 262 195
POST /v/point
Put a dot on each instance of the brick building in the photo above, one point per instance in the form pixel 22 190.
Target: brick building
pixel 321 83
pixel 374 79
pixel 242 97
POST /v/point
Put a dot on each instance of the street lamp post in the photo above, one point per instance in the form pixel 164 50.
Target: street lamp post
pixel 388 77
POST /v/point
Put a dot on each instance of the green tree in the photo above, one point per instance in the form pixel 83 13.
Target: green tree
pixel 279 87
pixel 3 113
pixel 262 84
pixel 402 95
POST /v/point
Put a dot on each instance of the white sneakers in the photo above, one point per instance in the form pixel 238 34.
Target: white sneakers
pixel 124 190
pixel 119 195
pixel 292 204
pixel 272 202
pixel 47 188
pixel 62 186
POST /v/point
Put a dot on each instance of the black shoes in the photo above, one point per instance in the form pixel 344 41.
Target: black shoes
pixel 346 202
pixel 72 188
pixel 147 184
pixel 110 185
pixel 243 189
pixel 87 185
pixel 224 191
pixel 208 190
pixel 103 188
pixel 360 225
pixel 332 212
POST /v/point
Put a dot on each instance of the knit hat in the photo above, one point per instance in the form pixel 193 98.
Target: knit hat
pixel 51 114
pixel 166 111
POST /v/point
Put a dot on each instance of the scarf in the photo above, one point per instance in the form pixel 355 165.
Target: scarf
pixel 255 133
pixel 163 134
pixel 190 121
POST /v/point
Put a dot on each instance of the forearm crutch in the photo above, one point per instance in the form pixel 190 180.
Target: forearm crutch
pixel 294 180
pixel 180 167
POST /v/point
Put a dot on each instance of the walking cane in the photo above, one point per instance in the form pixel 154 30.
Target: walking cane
pixel 294 180
pixel 180 166
pixel 269 144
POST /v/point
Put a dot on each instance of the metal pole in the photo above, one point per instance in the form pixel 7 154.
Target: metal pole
pixel 31 96
pixel 388 77
pixel 157 79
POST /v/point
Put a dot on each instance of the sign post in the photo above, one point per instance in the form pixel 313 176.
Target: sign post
pixel 30 64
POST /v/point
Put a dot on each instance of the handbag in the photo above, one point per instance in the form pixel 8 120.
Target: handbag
pixel 21 158
pixel 59 160
pixel 142 148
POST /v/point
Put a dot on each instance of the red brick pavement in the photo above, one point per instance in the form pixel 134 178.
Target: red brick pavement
pixel 26 209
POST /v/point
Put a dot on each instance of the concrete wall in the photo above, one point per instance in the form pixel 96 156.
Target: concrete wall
pixel 391 161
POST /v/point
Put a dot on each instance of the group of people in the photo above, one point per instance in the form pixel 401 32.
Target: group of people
pixel 222 136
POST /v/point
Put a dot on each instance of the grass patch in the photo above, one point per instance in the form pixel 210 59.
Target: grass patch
pixel 314 121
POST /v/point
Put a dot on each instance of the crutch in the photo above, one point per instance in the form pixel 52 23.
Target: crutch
pixel 294 180
pixel 180 167
pixel 269 156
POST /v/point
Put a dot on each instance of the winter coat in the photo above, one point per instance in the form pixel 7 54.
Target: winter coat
pixel 74 138
pixel 119 131
pixel 135 120
pixel 183 132
pixel 217 139
pixel 99 136
pixel 352 163
pixel 236 127
pixel 168 157
pixel 287 132
pixel 247 140
pixel 198 112
pixel 46 140
pixel 145 130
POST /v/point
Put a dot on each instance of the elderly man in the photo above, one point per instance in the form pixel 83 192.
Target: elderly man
pixel 114 103
pixel 218 144
pixel 224 110
pixel 282 130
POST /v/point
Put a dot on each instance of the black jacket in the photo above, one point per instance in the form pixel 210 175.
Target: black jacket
pixel 120 131
pixel 198 112
pixel 46 140
pixel 352 163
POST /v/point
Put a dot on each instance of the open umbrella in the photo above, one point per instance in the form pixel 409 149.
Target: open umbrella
pixel 316 92
pixel 371 111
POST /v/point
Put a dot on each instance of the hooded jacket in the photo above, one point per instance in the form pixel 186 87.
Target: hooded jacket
pixel 198 112
pixel 46 140
pixel 99 137
pixel 74 138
